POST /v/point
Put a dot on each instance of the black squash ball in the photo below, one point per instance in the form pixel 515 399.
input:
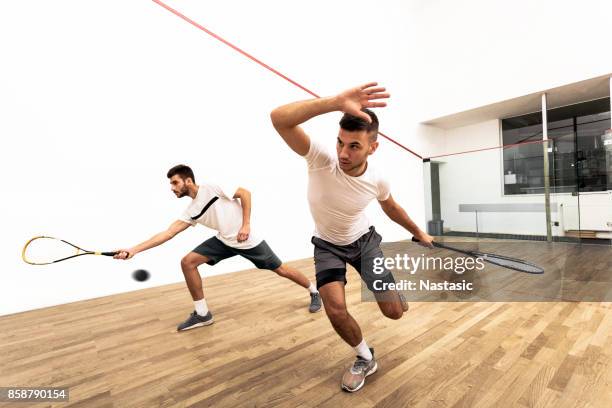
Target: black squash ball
pixel 141 275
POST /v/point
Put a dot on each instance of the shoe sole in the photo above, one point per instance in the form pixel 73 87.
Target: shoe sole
pixel 372 371
pixel 315 311
pixel 195 326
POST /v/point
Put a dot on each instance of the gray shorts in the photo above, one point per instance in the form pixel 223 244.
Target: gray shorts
pixel 261 256
pixel 331 259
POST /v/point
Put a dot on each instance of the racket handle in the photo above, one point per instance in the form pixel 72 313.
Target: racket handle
pixel 113 253
pixel 434 243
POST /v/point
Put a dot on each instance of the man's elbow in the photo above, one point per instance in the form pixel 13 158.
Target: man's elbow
pixel 171 233
pixel 276 118
pixel 242 193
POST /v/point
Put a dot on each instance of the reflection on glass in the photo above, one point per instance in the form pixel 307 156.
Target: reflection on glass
pixel 578 157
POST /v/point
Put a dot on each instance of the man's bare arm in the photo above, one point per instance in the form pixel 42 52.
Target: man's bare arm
pixel 399 215
pixel 245 201
pixel 287 118
pixel 157 239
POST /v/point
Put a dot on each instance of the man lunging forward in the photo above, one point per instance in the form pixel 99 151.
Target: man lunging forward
pixel 219 210
pixel 340 187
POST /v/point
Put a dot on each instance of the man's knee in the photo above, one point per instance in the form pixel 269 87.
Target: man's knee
pixel 336 313
pixel 392 311
pixel 190 262
pixel 391 304
pixel 332 294
pixel 395 313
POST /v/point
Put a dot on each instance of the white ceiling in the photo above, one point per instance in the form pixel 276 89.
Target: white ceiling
pixel 589 89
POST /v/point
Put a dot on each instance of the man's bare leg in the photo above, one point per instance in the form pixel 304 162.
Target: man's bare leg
pixel 390 304
pixel 189 265
pixel 335 306
pixel 201 316
pixel 298 277
pixel 293 274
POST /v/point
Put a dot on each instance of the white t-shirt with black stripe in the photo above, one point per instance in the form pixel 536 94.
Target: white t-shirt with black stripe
pixel 338 201
pixel 215 208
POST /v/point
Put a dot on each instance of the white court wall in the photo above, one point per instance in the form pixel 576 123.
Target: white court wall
pixel 99 99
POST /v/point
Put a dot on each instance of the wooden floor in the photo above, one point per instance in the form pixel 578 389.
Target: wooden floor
pixel 265 349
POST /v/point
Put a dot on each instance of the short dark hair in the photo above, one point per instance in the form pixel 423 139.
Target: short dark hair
pixel 183 171
pixel 354 123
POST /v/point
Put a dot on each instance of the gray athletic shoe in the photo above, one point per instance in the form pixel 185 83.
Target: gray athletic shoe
pixel 404 302
pixel 315 302
pixel 195 320
pixel 354 378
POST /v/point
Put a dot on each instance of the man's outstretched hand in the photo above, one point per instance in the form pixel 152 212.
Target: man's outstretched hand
pixel 424 239
pixel 368 95
pixel 124 254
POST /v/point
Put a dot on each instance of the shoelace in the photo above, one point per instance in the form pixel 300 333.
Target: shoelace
pixel 195 315
pixel 359 365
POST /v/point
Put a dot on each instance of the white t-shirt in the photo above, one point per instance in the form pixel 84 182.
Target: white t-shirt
pixel 223 215
pixel 338 201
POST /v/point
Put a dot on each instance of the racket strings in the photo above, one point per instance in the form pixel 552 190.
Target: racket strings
pixel 45 250
pixel 510 263
pixel 499 260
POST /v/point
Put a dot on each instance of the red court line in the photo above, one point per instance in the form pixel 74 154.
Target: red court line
pixel 400 145
pixel 490 148
pixel 266 66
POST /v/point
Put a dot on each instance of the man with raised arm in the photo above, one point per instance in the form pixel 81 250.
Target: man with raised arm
pixel 340 186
